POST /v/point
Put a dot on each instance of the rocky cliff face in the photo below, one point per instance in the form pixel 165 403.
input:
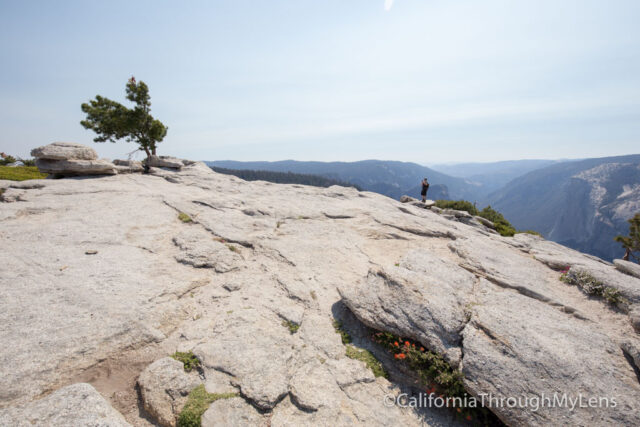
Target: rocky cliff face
pixel 581 204
pixel 104 277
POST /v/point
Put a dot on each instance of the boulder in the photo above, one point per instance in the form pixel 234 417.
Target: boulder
pixel 64 151
pixel 75 405
pixel 442 286
pixel 164 162
pixel 632 351
pixel 630 268
pixel 407 199
pixel 76 167
pixel 164 388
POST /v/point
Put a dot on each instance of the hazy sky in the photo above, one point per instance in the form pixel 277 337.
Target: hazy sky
pixel 416 80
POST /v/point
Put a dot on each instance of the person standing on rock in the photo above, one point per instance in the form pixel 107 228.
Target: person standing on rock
pixel 425 188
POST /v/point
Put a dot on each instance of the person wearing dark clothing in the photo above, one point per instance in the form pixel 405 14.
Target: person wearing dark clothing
pixel 425 188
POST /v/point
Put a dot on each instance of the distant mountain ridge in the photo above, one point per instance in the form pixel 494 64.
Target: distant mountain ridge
pixel 489 177
pixel 580 204
pixel 391 178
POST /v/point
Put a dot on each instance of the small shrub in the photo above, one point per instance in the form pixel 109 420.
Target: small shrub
pixel 459 205
pixel 369 360
pixel 27 162
pixel 592 286
pixel 20 173
pixel 503 226
pixel 435 374
pixel 232 248
pixel 188 359
pixel 344 335
pixel 184 217
pixel 197 403
pixel 6 159
pixel 313 295
pixel 292 326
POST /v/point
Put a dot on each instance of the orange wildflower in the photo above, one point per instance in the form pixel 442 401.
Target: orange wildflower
pixel 401 355
pixel 459 410
pixel 406 343
pixel 421 348
pixel 396 344
pixel 468 417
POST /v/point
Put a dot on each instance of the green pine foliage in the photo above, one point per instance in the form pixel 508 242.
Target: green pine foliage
pixel 113 121
pixel 631 243
pixel 6 159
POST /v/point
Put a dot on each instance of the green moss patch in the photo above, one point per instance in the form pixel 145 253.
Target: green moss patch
pixel 197 403
pixel 292 326
pixel 20 173
pixel 184 217
pixel 188 359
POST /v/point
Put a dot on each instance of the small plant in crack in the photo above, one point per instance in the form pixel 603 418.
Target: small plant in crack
pixel 197 403
pixel 592 286
pixel 360 354
pixel 292 326
pixel 369 359
pixel 232 248
pixel 436 375
pixel 344 335
pixel 184 217
pixel 188 359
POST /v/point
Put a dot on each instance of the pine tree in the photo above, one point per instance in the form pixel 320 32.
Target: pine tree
pixel 113 121
pixel 631 243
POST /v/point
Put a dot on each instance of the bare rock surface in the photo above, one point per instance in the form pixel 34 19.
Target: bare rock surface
pixel 74 405
pixel 627 267
pixel 260 316
pixel 128 166
pixel 634 316
pixel 232 412
pixel 164 162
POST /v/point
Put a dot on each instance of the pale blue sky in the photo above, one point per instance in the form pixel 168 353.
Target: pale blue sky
pixel 417 80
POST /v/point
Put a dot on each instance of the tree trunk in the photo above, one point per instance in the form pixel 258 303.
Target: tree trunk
pixel 626 255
